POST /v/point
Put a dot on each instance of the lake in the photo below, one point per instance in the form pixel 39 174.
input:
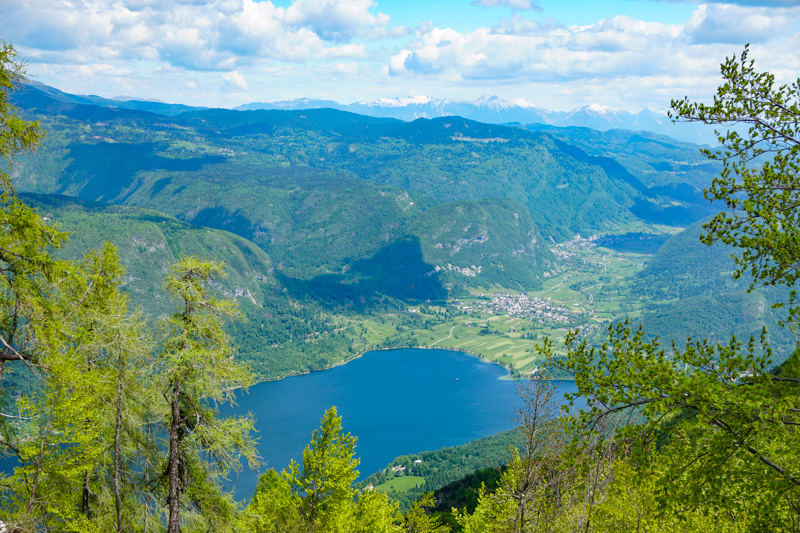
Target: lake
pixel 396 402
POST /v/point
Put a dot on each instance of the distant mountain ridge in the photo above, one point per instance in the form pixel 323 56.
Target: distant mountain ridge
pixel 119 102
pixel 689 290
pixel 335 197
pixel 492 109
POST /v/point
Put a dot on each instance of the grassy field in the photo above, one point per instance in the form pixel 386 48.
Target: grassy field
pixel 588 295
pixel 401 484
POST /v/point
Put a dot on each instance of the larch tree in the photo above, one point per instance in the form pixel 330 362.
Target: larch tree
pixel 27 270
pixel 328 471
pixel 200 372
pixel 81 448
pixel 318 496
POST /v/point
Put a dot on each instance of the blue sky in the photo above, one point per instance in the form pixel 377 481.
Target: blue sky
pixel 461 15
pixel 557 54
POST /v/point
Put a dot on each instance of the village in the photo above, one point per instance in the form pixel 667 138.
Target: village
pixel 569 249
pixel 534 308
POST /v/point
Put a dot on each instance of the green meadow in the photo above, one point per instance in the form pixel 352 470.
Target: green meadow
pixel 401 484
pixel 591 292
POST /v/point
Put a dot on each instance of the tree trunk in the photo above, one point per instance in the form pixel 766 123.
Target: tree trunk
pixel 174 525
pixel 147 467
pixel 37 473
pixel 117 431
pixel 86 508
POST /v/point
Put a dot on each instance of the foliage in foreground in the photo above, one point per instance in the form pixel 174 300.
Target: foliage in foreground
pixel 89 438
pixel 319 497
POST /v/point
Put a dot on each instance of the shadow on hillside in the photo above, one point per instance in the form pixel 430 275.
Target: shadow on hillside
pixel 109 168
pixel 398 270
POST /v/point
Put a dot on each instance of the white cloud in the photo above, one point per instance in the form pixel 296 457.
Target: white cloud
pixel 102 69
pixel 192 34
pixel 347 50
pixel 732 24
pixel 235 80
pixel 384 32
pixel 610 48
pixel 759 3
pixel 348 69
pixel 519 50
pixel 518 25
pixel 169 70
pixel 619 61
pixel 226 47
pixel 516 5
pixel 337 20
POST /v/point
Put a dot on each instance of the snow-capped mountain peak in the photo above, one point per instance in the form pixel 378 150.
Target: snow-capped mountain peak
pixel 493 109
pixel 522 103
pixel 600 109
pixel 485 98
pixel 402 101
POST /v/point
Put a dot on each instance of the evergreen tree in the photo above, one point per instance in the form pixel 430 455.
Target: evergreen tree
pixel 323 484
pixel 200 372
pixel 319 496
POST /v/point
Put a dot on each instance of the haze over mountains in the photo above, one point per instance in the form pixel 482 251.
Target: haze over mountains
pixel 492 109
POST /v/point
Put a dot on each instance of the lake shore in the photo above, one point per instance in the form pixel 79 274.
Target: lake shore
pixel 361 353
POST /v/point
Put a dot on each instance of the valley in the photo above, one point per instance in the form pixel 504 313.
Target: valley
pixel 348 240
pixel 363 266
pixel 599 287
pixel 378 233
pixel 505 327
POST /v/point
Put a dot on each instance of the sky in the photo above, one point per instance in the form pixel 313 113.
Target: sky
pixel 556 54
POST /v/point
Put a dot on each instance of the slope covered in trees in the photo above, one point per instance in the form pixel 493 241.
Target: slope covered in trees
pixel 689 291
pixel 228 169
pixel 495 240
pixel 148 242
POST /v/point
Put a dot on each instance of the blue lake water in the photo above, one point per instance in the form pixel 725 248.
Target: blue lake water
pixel 396 402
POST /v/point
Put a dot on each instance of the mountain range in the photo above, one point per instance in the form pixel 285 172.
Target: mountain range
pixel 489 109
pixel 492 109
pixel 294 182
pixel 347 212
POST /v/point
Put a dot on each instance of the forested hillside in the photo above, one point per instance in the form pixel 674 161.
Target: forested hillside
pixel 495 240
pixel 432 470
pixel 167 161
pixel 255 177
pixel 689 291
pixel 653 159
pixel 277 334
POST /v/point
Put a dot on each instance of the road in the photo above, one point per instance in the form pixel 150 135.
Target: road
pixel 445 338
